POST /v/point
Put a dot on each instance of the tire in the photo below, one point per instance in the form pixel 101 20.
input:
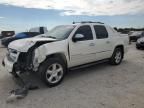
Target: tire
pixel 137 47
pixel 117 57
pixel 52 71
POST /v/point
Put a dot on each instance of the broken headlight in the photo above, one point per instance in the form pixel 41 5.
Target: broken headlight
pixel 12 55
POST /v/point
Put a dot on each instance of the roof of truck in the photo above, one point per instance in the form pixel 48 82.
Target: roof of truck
pixel 87 22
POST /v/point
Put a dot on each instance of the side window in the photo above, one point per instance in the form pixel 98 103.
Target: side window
pixel 86 31
pixel 101 32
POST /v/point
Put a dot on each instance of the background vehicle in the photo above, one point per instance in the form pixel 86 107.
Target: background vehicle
pixel 66 47
pixel 7 40
pixel 134 36
pixel 0 36
pixel 7 34
pixel 32 32
pixel 140 43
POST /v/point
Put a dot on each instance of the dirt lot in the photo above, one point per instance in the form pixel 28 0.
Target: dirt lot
pixel 99 86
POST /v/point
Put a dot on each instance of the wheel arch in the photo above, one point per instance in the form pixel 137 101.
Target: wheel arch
pixel 58 55
pixel 121 47
pixel 49 59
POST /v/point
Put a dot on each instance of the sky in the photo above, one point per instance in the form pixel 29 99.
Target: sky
pixel 21 15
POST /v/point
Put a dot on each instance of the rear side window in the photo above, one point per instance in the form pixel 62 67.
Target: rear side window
pixel 101 32
pixel 86 31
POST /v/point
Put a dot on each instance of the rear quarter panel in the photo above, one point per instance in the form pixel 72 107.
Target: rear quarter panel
pixel 118 39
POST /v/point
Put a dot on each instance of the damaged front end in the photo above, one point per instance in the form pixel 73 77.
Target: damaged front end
pixel 21 63
pixel 26 60
pixel 16 61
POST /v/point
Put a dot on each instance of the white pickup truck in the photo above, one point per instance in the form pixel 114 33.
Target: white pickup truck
pixel 66 47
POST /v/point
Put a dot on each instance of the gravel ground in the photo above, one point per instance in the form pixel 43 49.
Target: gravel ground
pixel 99 86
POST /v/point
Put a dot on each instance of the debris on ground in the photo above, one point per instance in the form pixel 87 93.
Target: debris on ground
pixel 21 92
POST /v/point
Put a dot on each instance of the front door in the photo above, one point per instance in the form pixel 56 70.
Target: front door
pixel 82 51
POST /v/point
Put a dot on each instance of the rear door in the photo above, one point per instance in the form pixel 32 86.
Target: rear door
pixel 82 51
pixel 103 45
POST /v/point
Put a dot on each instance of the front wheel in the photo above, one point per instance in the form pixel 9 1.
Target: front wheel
pixel 137 47
pixel 117 57
pixel 52 71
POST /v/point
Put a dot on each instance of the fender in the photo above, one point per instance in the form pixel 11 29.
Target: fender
pixel 27 57
pixel 48 50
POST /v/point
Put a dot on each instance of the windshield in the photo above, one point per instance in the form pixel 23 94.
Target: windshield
pixel 60 32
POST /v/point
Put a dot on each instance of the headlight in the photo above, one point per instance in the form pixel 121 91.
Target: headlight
pixel 12 51
pixel 12 55
pixel 138 41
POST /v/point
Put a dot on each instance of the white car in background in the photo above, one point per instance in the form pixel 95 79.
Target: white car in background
pixel 66 47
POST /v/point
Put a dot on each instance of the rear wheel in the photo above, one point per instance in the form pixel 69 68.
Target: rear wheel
pixel 52 71
pixel 117 57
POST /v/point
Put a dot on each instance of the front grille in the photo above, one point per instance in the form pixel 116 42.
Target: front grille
pixel 23 61
pixel 12 51
pixel 22 57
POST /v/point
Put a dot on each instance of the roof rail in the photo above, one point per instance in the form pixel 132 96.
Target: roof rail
pixel 87 22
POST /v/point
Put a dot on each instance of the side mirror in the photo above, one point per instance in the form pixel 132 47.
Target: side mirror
pixel 78 37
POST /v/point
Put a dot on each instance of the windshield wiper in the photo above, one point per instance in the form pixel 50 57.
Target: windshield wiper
pixel 49 37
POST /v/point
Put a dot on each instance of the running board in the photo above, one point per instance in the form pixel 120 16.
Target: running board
pixel 89 64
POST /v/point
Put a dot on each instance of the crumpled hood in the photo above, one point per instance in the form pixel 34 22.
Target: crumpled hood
pixel 23 45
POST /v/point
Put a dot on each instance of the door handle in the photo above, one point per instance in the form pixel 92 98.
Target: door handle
pixel 107 42
pixel 91 44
